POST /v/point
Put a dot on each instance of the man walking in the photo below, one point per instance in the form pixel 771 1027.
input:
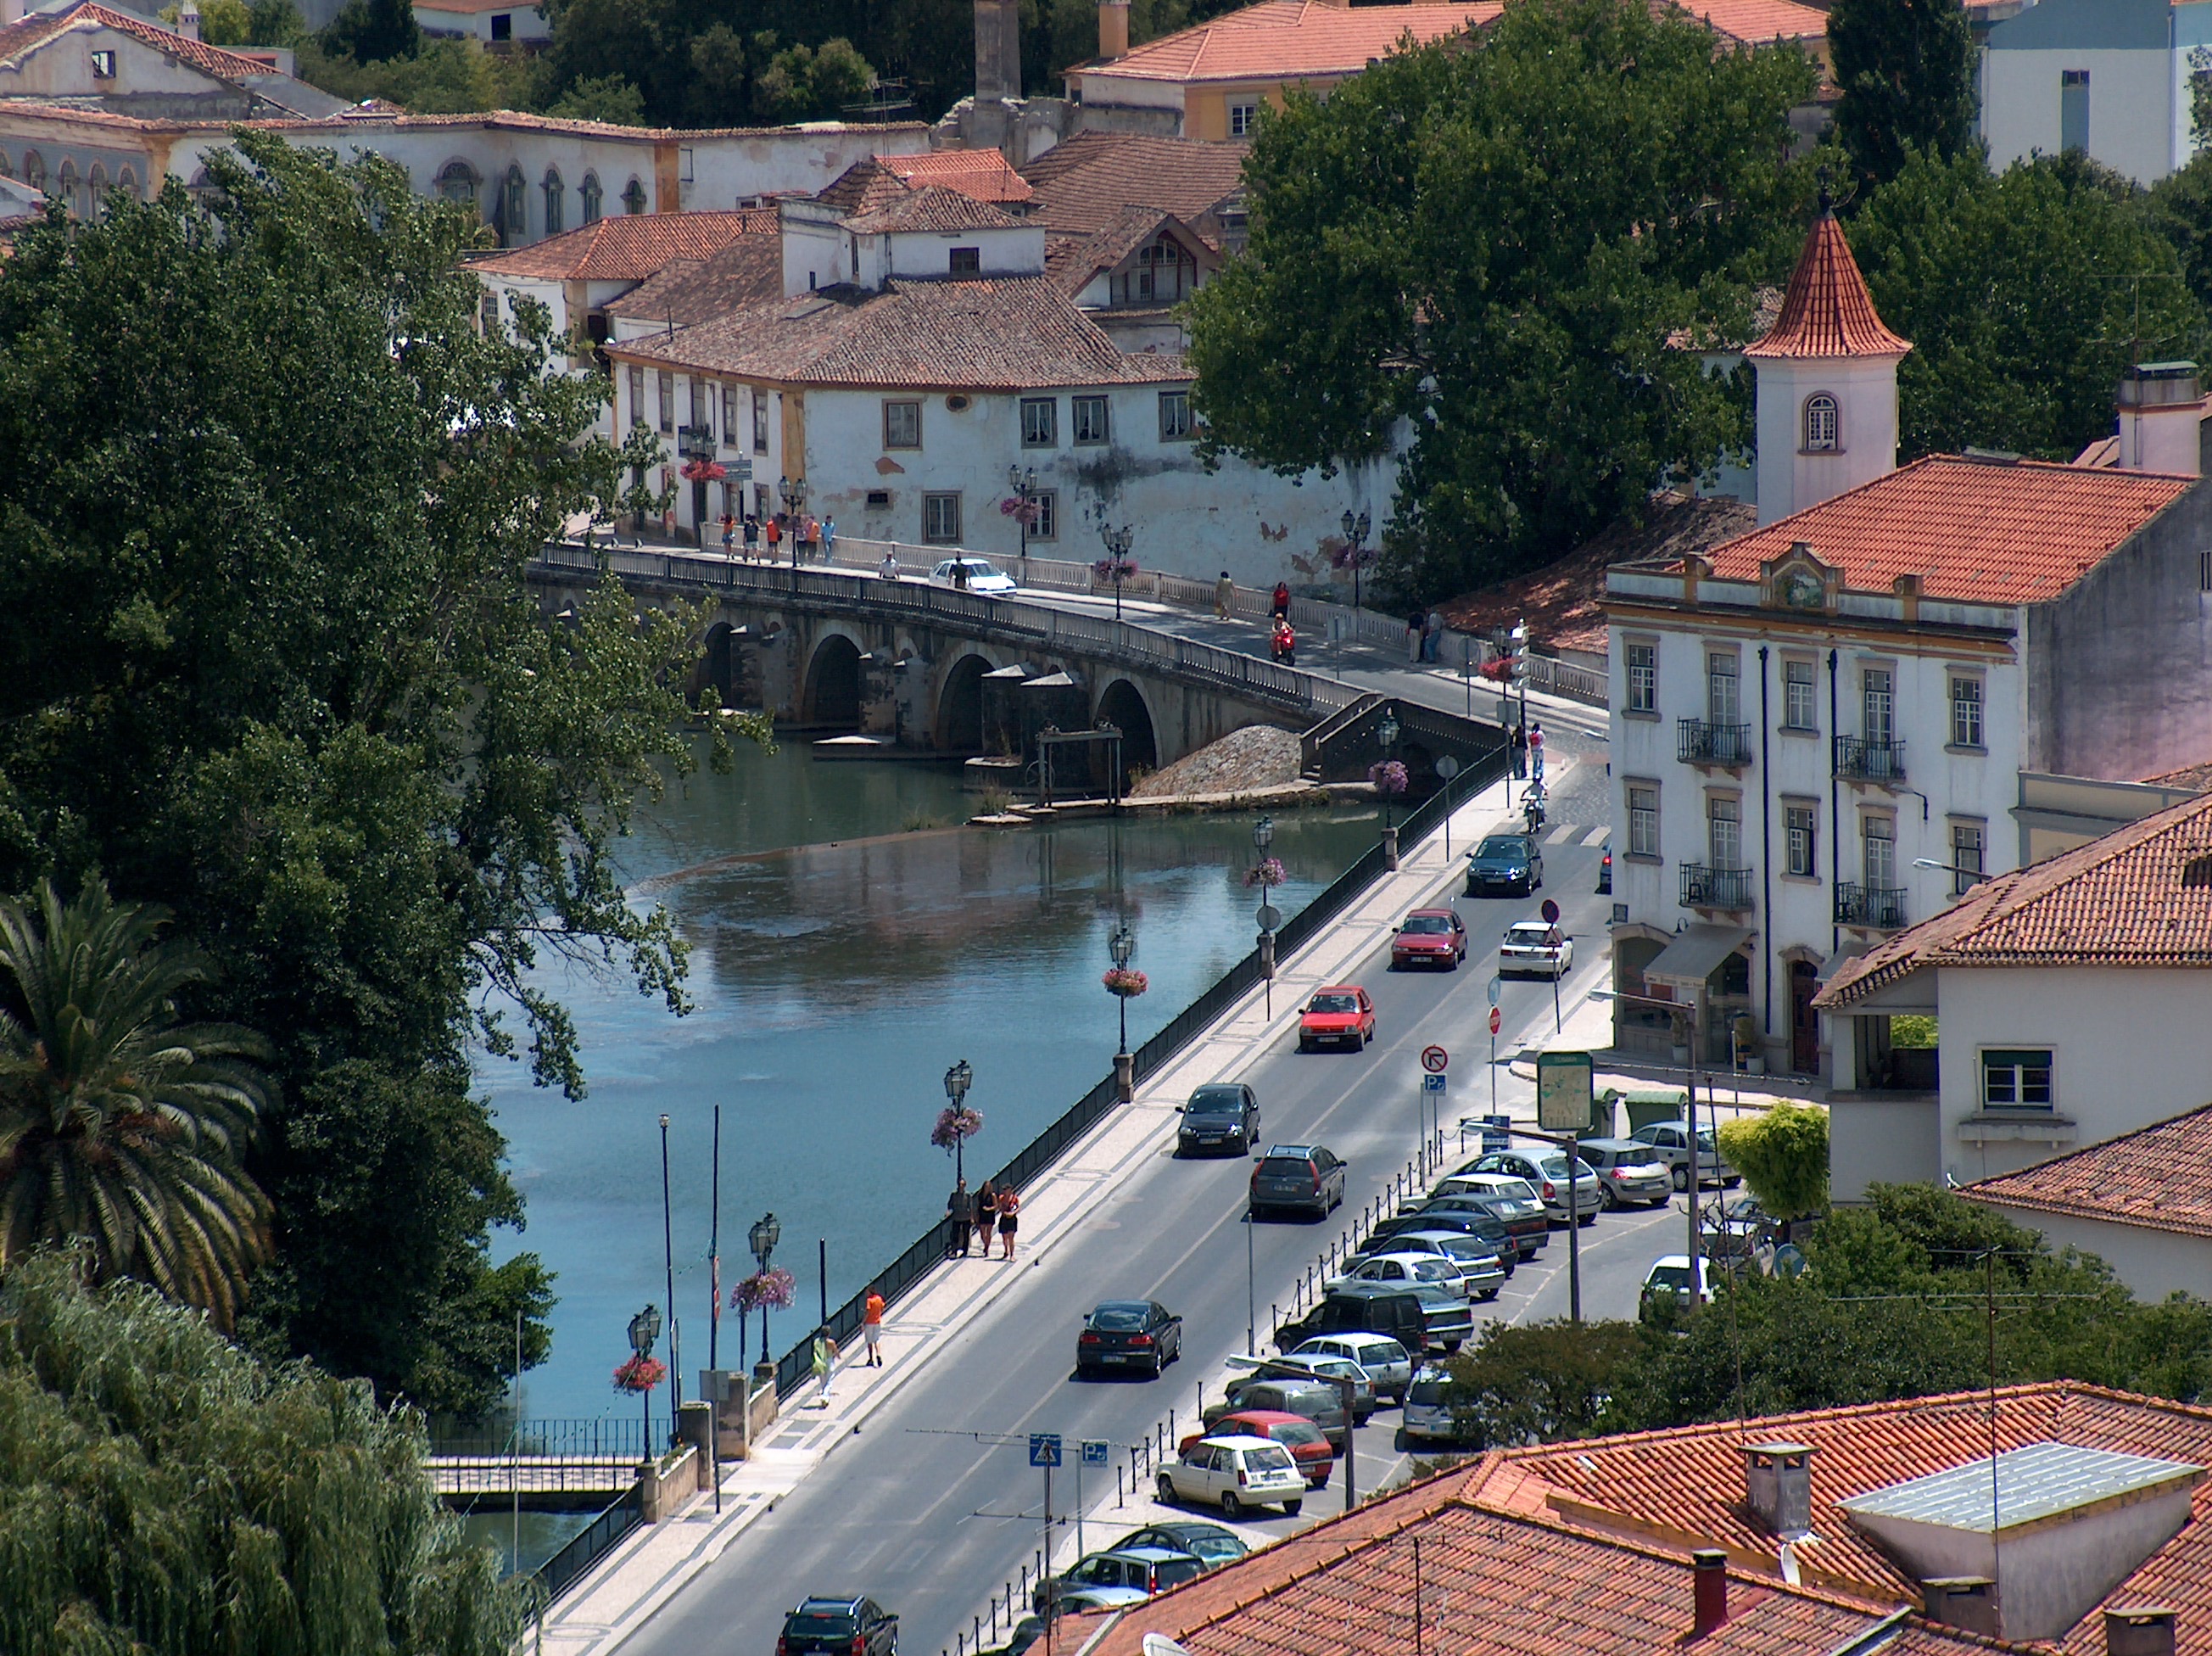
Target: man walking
pixel 1225 594
pixel 825 1359
pixel 871 1328
pixel 829 538
pixel 1520 752
pixel 960 1215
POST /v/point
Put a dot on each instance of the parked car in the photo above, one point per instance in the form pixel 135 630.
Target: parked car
pixel 849 1624
pixel 1309 1398
pixel 1234 1473
pixel 1471 1279
pixel 1389 1364
pixel 1333 1371
pixel 1340 1015
pixel 1528 949
pixel 1627 1171
pixel 1418 1319
pixel 1148 1569
pixel 1605 872
pixel 1222 1118
pixel 1430 937
pixel 1473 1254
pixel 1546 1173
pixel 1513 1202
pixel 1309 1444
pixel 1305 1176
pixel 1428 1418
pixel 1490 1228
pixel 1671 1139
pixel 1075 1601
pixel 982 575
pixel 1505 865
pixel 1670 1277
pixel 1129 1335
pixel 1214 1545
pixel 1476 1234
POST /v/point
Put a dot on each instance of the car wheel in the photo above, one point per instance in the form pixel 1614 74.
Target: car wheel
pixel 1681 1179
pixel 1291 1508
pixel 1232 1508
pixel 1586 1219
pixel 1607 1199
pixel 1159 1363
pixel 1164 1487
pixel 1451 1348
pixel 1493 1294
pixel 1730 1184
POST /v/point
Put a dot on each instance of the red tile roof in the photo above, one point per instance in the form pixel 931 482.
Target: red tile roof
pixel 749 271
pixel 983 174
pixel 1756 21
pixel 1083 184
pixel 2141 896
pixel 1075 259
pixel 20 38
pixel 930 207
pixel 1990 532
pixel 1826 310
pixel 2158 1177
pixel 993 333
pixel 1290 40
pixel 628 247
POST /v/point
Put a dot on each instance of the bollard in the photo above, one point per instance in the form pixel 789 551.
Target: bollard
pixel 1025 1585
pixel 1117 1488
pixel 979 1632
pixel 1171 1431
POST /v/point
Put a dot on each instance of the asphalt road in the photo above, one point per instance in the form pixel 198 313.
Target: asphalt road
pixel 930 1521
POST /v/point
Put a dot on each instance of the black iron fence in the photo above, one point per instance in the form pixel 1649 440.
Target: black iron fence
pixel 607 1437
pixel 586 1547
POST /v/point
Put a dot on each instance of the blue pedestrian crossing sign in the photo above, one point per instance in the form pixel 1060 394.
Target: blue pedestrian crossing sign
pixel 1095 1451
pixel 1044 1448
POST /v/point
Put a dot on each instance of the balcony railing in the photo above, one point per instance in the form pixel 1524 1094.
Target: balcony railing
pixel 1704 887
pixel 1858 759
pixel 1880 907
pixel 1699 741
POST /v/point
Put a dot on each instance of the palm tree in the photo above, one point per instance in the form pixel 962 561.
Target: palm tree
pixel 123 1131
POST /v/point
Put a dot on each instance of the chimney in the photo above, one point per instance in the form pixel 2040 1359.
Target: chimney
pixel 2139 1630
pixel 998 50
pixel 188 21
pixel 1709 1584
pixel 1778 1480
pixel 1113 30
pixel 2162 405
pixel 1968 1602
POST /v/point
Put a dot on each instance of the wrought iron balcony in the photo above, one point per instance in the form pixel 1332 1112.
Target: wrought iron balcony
pixel 1704 887
pixel 1858 759
pixel 1699 741
pixel 1881 908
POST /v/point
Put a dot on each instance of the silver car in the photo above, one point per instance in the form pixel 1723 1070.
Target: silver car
pixel 1389 1364
pixel 1440 1269
pixel 1628 1171
pixel 1546 1173
pixel 1671 1140
pixel 1428 1419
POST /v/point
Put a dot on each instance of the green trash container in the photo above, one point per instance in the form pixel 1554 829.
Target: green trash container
pixel 1601 1115
pixel 1664 1103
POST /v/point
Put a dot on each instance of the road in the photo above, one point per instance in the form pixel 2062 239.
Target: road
pixel 929 1520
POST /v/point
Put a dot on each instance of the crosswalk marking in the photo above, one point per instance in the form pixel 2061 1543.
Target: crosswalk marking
pixel 1575 833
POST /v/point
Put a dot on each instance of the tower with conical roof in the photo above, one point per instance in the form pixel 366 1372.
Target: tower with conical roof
pixel 1827 381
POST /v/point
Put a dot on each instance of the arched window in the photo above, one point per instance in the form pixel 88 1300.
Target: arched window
pixel 457 182
pixel 594 197
pixel 65 186
pixel 514 208
pixel 556 204
pixel 98 190
pixel 6 171
pixel 1820 423
pixel 127 181
pixel 634 198
pixel 34 170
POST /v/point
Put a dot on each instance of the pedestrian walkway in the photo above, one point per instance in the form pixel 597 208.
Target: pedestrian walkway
pixel 597 1616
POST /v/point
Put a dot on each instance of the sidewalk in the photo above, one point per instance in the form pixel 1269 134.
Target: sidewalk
pixel 646 1570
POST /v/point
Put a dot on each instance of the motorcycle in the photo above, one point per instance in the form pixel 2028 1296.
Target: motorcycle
pixel 1532 808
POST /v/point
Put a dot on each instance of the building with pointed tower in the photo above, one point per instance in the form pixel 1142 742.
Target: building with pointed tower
pixel 1903 680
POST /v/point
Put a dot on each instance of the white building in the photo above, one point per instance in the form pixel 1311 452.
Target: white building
pixel 494 22
pixel 917 354
pixel 2070 1001
pixel 2109 77
pixel 1823 730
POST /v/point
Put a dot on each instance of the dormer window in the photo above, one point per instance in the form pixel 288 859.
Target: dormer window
pixel 967 261
pixel 1820 424
pixel 103 65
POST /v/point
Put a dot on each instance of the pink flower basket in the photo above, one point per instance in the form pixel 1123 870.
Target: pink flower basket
pixel 1126 981
pixel 641 1374
pixel 955 1126
pixel 1268 873
pixel 775 1289
pixel 1389 778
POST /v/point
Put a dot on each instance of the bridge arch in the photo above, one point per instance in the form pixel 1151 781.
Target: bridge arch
pixel 832 697
pixel 719 667
pixel 960 706
pixel 1122 705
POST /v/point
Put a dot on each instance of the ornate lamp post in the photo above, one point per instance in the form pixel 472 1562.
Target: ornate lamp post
pixel 644 1334
pixel 957 1080
pixel 1123 982
pixel 1389 778
pixel 763 1236
pixel 1022 479
pixel 1117 564
pixel 793 493
pixel 1266 873
pixel 1356 530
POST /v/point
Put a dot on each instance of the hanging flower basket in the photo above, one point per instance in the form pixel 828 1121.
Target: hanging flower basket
pixel 1389 777
pixel 954 1127
pixel 640 1374
pixel 1021 511
pixel 1345 555
pixel 776 1290
pixel 1114 569
pixel 704 472
pixel 1269 871
pixel 1126 981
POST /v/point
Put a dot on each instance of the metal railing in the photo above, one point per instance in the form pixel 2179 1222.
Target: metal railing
pixel 1699 741
pixel 586 1547
pixel 598 1438
pixel 1858 759
pixel 1705 888
pixel 1880 907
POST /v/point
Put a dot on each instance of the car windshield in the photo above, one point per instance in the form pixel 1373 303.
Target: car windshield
pixel 1118 1317
pixel 1556 1167
pixel 1171 1571
pixel 1210 1102
pixel 1380 1352
pixel 1285 1167
pixel 1676 1277
pixel 830 1624
pixel 1501 845
pixel 1428 1391
pixel 1427 925
pixel 1528 935
pixel 1465 1247
pixel 1332 1003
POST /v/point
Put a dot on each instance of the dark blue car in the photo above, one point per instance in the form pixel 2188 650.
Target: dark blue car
pixel 1505 865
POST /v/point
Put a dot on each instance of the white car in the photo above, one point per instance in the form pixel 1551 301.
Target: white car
pixel 1388 1364
pixel 982 575
pixel 1234 1473
pixel 1529 948
pixel 1440 1269
pixel 1670 1274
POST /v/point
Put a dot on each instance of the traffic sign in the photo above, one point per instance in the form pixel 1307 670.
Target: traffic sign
pixel 1447 767
pixel 1497 989
pixel 1550 912
pixel 1563 1092
pixel 1435 1060
pixel 1044 1448
pixel 1496 1021
pixel 1497 1133
pixel 1270 917
pixel 1095 1451
pixel 1433 1083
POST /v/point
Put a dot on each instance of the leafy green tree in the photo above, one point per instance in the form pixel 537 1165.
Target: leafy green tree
pixel 371 31
pixel 222 22
pixel 1783 1155
pixel 275 23
pixel 608 97
pixel 1485 247
pixel 446 77
pixel 2024 295
pixel 275 663
pixel 122 1126
pixel 1906 70
pixel 161 1492
pixel 1536 1383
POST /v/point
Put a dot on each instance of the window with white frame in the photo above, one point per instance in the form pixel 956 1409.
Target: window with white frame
pixel 1243 118
pixel 1643 678
pixel 2016 1078
pixel 664 387
pixel 902 425
pixel 1175 415
pixel 1878 843
pixel 1820 423
pixel 940 519
pixel 1045 525
pixel 1040 421
pixel 1089 419
pixel 1725 829
pixel 760 422
pixel 1800 707
pixel 1642 821
pixel 1969 841
pixel 1965 710
pixel 729 416
pixel 1723 690
pixel 1878 701
pixel 1802 827
pixel 637 394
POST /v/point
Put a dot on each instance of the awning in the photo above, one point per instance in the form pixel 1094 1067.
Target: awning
pixel 1694 952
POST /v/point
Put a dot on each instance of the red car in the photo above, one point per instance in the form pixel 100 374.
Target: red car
pixel 1308 1446
pixel 1340 1015
pixel 1430 937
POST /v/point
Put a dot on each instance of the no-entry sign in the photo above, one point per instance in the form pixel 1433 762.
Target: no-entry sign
pixel 1435 1060
pixel 1496 1021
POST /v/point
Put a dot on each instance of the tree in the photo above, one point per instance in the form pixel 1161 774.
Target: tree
pixel 120 1127
pixel 1538 1383
pixel 275 23
pixel 1783 1155
pixel 161 1492
pixel 1483 249
pixel 2024 295
pixel 222 22
pixel 274 663
pixel 1906 70
pixel 370 31
pixel 609 97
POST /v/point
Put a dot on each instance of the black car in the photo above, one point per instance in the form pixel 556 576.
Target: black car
pixel 1472 1207
pixel 1127 1335
pixel 1482 1227
pixel 846 1623
pixel 1223 1119
pixel 1306 1176
pixel 1417 1319
pixel 1507 865
pixel 1605 872
pixel 1210 1542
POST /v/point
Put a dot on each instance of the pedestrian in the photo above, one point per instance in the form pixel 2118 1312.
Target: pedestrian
pixel 1537 752
pixel 1282 600
pixel 1225 594
pixel 729 534
pixel 987 1214
pixel 960 573
pixel 1520 741
pixel 1416 626
pixel 1010 1209
pixel 829 538
pixel 825 1360
pixel 871 1328
pixel 752 537
pixel 1436 635
pixel 889 568
pixel 772 533
pixel 810 535
pixel 960 1215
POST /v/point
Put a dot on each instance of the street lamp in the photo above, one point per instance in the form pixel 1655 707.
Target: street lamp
pixel 1022 479
pixel 668 1262
pixel 1263 836
pixel 644 1334
pixel 1355 534
pixel 763 1237
pixel 1386 732
pixel 957 1080
pixel 1117 558
pixel 1123 949
pixel 793 492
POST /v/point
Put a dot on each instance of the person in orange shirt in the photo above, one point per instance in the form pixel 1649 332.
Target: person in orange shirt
pixel 871 1328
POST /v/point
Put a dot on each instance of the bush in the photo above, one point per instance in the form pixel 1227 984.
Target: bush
pixel 1783 1156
